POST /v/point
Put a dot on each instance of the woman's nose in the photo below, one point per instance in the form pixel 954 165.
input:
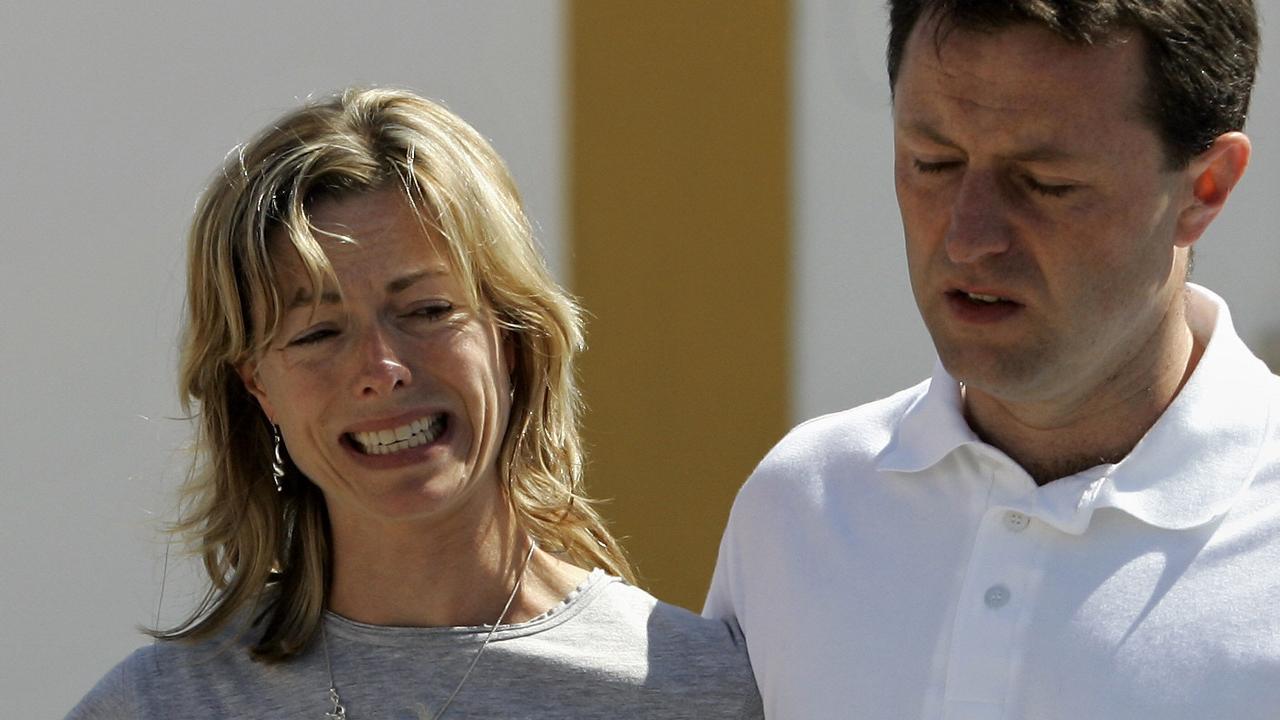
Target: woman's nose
pixel 381 367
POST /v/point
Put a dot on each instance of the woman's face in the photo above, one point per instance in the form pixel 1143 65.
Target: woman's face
pixel 392 394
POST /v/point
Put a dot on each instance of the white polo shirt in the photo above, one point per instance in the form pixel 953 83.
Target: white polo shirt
pixel 886 564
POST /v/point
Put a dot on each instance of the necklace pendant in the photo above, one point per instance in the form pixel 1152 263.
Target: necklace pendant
pixel 338 712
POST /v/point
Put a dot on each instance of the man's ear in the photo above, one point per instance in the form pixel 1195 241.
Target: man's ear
pixel 248 371
pixel 1214 174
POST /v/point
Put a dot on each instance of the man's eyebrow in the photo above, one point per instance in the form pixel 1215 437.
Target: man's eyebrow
pixel 303 297
pixel 925 129
pixel 1042 152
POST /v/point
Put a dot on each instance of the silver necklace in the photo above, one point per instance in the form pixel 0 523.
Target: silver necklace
pixel 339 711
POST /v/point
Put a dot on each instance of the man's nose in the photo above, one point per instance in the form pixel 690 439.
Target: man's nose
pixel 979 224
pixel 381 367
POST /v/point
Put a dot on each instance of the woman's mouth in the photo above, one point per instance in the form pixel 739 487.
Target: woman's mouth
pixel 387 442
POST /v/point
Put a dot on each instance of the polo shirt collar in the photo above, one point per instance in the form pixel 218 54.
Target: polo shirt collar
pixel 1186 471
pixel 932 427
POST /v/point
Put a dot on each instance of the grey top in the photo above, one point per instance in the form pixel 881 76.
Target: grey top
pixel 609 650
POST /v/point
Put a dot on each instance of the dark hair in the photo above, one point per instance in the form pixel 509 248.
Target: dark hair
pixel 1202 55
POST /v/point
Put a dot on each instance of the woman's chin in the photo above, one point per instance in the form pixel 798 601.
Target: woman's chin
pixel 413 498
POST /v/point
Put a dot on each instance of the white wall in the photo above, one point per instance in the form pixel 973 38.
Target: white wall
pixel 856 332
pixel 112 117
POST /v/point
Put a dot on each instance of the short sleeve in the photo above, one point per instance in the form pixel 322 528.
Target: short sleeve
pixel 719 602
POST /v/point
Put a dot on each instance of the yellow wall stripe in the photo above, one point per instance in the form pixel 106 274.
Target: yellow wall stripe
pixel 679 209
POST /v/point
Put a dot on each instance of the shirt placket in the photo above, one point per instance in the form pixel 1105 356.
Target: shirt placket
pixel 987 637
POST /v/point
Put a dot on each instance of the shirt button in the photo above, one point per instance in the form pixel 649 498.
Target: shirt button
pixel 997 596
pixel 1015 521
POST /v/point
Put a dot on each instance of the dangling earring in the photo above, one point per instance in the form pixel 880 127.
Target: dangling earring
pixel 277 464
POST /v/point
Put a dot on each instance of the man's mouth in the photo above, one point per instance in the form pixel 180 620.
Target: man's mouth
pixel 974 307
pixel 386 442
pixel 983 298
pixel 980 298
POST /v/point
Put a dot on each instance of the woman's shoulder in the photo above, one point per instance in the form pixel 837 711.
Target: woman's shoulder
pixel 671 624
pixel 683 659
pixel 166 674
pixel 115 695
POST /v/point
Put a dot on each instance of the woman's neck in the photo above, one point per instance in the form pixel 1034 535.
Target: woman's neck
pixel 451 573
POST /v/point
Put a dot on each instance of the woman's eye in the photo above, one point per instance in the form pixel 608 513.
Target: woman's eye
pixel 313 337
pixel 433 311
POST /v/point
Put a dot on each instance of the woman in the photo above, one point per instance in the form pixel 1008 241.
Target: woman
pixel 386 498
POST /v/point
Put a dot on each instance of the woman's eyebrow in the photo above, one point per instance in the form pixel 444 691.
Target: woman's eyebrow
pixel 404 282
pixel 303 296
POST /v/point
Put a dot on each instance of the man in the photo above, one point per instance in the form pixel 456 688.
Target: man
pixel 1078 516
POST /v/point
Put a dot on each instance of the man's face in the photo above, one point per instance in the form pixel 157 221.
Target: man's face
pixel 1040 216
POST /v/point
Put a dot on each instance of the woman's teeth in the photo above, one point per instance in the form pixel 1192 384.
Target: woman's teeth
pixel 385 442
pixel 983 298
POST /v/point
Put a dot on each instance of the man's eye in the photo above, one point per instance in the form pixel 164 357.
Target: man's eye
pixel 936 167
pixel 1048 190
pixel 313 337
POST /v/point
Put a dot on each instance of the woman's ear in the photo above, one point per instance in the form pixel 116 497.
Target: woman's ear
pixel 1214 174
pixel 509 351
pixel 248 371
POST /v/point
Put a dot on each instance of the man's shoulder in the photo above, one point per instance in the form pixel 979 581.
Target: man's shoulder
pixel 837 446
pixel 846 438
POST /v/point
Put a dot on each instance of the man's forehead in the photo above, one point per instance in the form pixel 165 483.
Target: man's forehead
pixel 1022 68
pixel 1031 146
pixel 1023 48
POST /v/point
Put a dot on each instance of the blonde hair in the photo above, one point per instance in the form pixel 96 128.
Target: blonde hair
pixel 248 535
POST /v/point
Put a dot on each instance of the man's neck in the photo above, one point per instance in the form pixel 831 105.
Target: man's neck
pixel 1094 426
